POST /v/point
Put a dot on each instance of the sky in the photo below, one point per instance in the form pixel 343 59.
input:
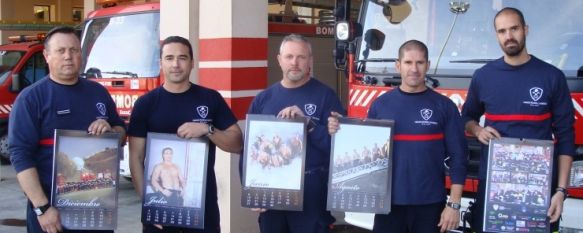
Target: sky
pixel 83 147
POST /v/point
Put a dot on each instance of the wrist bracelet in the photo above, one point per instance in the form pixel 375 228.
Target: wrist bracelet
pixel 564 191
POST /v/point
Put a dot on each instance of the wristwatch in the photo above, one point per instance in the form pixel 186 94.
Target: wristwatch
pixel 564 191
pixel 211 130
pixel 42 209
pixel 453 205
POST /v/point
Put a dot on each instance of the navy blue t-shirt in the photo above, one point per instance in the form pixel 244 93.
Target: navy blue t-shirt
pixel 428 128
pixel 531 101
pixel 161 111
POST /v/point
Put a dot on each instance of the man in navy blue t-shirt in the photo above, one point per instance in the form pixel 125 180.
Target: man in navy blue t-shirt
pixel 299 95
pixel 428 129
pixel 521 96
pixel 60 101
pixel 189 111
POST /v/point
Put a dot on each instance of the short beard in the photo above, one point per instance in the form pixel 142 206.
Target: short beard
pixel 294 77
pixel 514 51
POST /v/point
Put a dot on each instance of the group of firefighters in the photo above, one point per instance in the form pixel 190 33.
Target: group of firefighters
pixel 419 201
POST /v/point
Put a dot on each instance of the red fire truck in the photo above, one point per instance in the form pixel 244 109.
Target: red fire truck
pixel 21 64
pixel 120 50
pixel 460 37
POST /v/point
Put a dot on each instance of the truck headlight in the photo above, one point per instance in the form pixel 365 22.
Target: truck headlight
pixel 342 31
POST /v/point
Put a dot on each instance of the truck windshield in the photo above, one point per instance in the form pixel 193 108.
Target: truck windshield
pixel 8 59
pixel 555 33
pixel 122 46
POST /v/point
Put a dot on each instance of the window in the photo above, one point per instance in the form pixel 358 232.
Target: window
pixel 42 13
pixel 77 14
pixel 8 59
pixel 35 69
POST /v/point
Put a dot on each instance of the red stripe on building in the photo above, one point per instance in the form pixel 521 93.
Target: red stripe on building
pixel 233 49
pixel 250 78
pixel 46 142
pixel 418 137
pixel 517 117
pixel 239 106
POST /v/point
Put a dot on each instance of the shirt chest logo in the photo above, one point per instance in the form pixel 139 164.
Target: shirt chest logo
pixel 202 111
pixel 101 108
pixel 536 93
pixel 310 109
pixel 426 113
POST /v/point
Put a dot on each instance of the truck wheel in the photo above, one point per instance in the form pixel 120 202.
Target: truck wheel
pixel 4 147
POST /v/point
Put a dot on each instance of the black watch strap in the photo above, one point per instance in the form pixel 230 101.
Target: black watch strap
pixel 211 130
pixel 564 191
pixel 42 209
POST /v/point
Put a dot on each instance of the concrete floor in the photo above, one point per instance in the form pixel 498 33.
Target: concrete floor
pixel 13 202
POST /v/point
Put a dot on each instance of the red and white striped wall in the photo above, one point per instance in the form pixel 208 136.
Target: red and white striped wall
pixel 233 50
pixel 5 109
pixel 229 39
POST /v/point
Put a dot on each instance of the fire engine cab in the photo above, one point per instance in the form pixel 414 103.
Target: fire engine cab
pixel 120 50
pixel 21 64
pixel 460 37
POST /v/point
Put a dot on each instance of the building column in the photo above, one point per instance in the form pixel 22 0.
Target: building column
pixel 229 39
pixel 233 60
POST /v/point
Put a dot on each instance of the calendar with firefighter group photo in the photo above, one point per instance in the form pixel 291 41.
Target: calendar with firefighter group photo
pixel 85 183
pixel 360 166
pixel 273 163
pixel 518 191
pixel 175 181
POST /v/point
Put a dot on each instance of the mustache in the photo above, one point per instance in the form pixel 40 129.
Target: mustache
pixel 510 41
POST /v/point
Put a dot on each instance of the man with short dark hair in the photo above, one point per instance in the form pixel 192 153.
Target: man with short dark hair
pixel 60 101
pixel 428 129
pixel 521 96
pixel 189 111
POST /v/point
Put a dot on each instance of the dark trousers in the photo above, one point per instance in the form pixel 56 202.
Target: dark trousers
pixel 477 221
pixel 313 219
pixel 32 225
pixel 409 219
pixel 175 199
pixel 274 221
pixel 167 229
